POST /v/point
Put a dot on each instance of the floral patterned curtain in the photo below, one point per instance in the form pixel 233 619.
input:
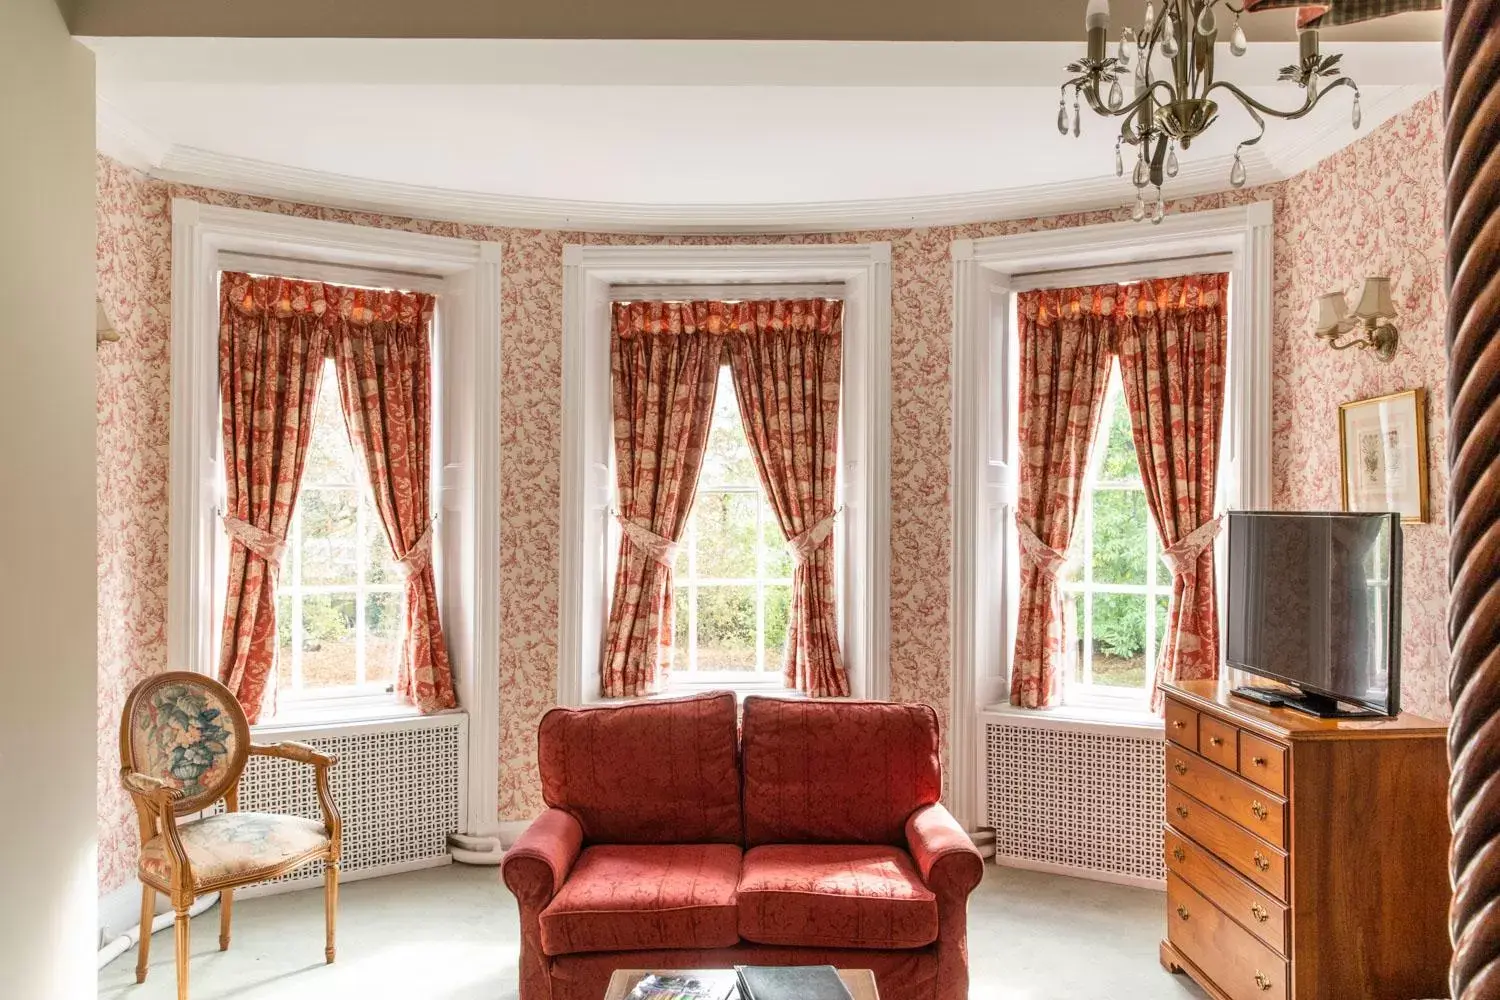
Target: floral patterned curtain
pixel 664 363
pixel 272 342
pixel 786 362
pixel 1171 337
pixel 383 359
pixel 1065 362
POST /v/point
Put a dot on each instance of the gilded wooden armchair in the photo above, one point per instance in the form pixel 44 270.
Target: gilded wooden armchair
pixel 184 741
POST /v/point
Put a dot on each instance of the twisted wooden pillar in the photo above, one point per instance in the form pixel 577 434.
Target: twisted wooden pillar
pixel 1472 157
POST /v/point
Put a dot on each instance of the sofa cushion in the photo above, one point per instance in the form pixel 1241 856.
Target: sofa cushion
pixel 656 772
pixel 633 897
pixel 837 772
pixel 835 896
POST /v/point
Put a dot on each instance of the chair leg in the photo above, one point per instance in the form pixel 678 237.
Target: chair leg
pixel 226 912
pixel 148 914
pixel 330 906
pixel 184 952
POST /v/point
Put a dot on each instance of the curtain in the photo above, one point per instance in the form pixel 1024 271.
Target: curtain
pixel 272 342
pixel 1065 362
pixel 1337 12
pixel 383 360
pixel 1171 337
pixel 664 363
pixel 785 364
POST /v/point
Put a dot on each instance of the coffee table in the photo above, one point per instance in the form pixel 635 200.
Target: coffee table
pixel 861 982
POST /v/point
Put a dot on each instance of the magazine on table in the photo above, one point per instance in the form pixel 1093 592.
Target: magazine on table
pixel 698 986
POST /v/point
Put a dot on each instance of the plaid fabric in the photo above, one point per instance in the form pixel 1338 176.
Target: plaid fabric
pixel 1343 11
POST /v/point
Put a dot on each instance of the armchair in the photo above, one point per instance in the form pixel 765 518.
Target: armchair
pixel 184 742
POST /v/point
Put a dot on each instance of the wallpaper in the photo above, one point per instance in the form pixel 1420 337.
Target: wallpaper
pixel 1319 241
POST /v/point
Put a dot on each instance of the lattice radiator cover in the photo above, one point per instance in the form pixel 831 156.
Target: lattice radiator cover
pixel 1086 802
pixel 399 788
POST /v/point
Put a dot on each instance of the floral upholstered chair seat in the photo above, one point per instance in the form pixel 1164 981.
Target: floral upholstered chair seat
pixel 234 845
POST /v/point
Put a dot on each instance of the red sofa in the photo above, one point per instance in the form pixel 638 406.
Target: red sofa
pixel 671 842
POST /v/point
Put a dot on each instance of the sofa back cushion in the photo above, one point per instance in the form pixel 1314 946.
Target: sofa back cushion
pixel 654 772
pixel 837 772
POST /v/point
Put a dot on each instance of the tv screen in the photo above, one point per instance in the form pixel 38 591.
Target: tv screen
pixel 1315 602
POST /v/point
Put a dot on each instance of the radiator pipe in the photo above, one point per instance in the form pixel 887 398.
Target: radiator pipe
pixel 162 921
pixel 468 850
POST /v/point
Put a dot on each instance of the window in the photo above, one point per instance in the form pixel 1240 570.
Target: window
pixel 733 574
pixel 1116 586
pixel 338 600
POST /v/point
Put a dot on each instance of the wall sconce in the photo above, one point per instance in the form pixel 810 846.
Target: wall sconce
pixel 1371 318
pixel 104 330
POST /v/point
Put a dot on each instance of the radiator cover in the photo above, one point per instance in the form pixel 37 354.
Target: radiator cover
pixel 1077 801
pixel 399 786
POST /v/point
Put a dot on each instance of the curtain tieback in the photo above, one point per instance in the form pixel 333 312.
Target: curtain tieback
pixel 662 551
pixel 418 557
pixel 1182 555
pixel 257 540
pixel 1047 560
pixel 804 545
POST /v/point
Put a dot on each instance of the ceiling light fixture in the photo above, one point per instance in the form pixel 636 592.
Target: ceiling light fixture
pixel 1167 64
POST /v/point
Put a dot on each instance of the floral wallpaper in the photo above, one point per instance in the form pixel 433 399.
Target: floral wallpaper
pixel 1327 230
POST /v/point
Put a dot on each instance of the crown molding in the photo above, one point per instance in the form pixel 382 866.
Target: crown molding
pixel 1292 158
pixel 188 165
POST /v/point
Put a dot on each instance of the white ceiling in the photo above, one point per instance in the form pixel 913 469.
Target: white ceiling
pixel 678 135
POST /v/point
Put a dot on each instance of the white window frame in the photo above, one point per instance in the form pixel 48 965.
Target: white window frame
pixel 595 275
pixel 986 275
pixel 465 277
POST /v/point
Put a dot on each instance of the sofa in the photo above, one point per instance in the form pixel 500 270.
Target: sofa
pixel 678 835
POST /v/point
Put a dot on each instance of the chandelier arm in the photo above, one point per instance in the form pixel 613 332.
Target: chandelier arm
pixel 1311 101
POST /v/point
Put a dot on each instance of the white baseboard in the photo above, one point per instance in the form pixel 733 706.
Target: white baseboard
pixel 1089 873
pixel 376 871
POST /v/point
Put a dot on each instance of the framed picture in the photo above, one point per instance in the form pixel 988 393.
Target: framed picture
pixel 1383 454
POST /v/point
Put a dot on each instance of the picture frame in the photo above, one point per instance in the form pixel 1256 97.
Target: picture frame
pixel 1383 454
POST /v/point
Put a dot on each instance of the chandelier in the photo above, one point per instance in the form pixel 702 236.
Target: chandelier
pixel 1168 66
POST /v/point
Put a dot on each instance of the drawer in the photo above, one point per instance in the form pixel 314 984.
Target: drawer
pixel 1263 762
pixel 1252 909
pixel 1241 967
pixel 1182 724
pixel 1256 809
pixel 1218 741
pixel 1229 842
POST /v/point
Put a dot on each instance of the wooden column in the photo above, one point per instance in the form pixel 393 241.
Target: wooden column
pixel 1471 46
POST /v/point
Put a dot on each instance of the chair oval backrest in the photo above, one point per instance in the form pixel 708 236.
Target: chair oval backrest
pixel 187 730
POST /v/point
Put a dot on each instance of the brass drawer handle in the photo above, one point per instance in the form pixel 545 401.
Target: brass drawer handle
pixel 1263 981
pixel 1182 911
pixel 1178 724
pixel 1260 811
pixel 1216 741
pixel 1182 812
pixel 1258 761
pixel 1262 862
pixel 1179 854
pixel 1259 912
pixel 1179 767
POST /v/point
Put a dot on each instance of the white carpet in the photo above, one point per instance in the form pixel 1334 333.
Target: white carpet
pixel 450 934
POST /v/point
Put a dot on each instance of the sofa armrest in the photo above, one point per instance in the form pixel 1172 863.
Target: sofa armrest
pixel 538 863
pixel 949 862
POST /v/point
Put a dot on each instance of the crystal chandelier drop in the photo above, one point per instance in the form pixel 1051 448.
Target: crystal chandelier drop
pixel 1161 84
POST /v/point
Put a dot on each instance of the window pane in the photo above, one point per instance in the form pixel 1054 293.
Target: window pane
pixel 778 556
pixel 329 522
pixel 726 534
pixel 383 611
pixel 283 641
pixel 1119 446
pixel 680 620
pixel 778 606
pixel 330 456
pixel 726 457
pixel 1120 525
pixel 380 561
pixel 726 628
pixel 1073 636
pixel 1119 640
pixel 1162 602
pixel 328 640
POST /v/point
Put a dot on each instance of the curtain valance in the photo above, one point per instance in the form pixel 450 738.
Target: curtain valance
pixel 751 317
pixel 253 295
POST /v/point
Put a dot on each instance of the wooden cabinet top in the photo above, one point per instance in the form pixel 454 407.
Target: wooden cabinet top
pixel 1291 725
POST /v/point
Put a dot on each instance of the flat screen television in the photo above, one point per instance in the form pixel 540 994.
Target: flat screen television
pixel 1315 603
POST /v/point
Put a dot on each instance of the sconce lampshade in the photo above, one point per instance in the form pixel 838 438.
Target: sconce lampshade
pixel 1375 300
pixel 1330 311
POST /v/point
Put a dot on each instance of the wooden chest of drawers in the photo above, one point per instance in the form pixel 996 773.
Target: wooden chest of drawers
pixel 1306 858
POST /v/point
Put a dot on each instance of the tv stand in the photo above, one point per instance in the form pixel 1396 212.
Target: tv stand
pixel 1319 705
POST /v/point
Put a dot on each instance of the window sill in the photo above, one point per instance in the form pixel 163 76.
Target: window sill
pixel 308 716
pixel 1110 720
